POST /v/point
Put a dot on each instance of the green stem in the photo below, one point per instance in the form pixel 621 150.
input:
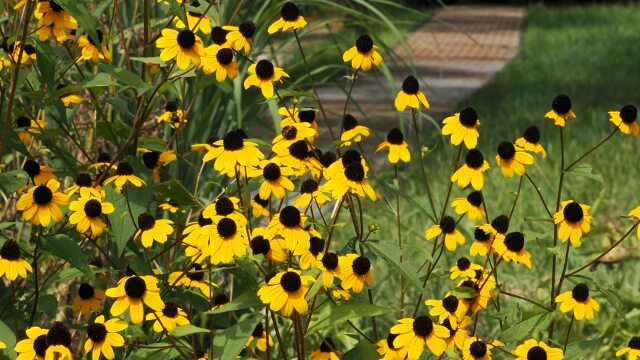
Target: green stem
pixel 422 169
pixel 552 303
pixel 615 130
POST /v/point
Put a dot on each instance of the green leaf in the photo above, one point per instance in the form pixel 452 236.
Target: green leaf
pixel 463 292
pixel 173 189
pixel 122 225
pixel 67 249
pixel 161 351
pixel 9 338
pixel 557 251
pixel 127 77
pixel 362 351
pixel 82 15
pixel 229 344
pixel 585 171
pixel 13 180
pixel 613 298
pixel 100 80
pixel 347 310
pixel 315 288
pixel 189 329
pixel 582 349
pixel 390 252
pixel 526 328
pixel 46 63
pixel 248 299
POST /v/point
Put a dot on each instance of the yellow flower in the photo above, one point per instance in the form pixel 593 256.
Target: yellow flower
pixel 471 172
pixel 511 248
pixel 262 75
pixel 53 18
pixel 229 240
pixel 327 351
pixel 154 160
pixel 28 126
pixel 240 37
pixel 193 279
pixel 310 192
pixel 471 205
pixel 11 265
pixel 151 229
pixel 41 203
pixel 26 56
pixel 458 336
pixel 233 154
pixel 34 346
pixel 40 174
pixel 289 224
pixel 414 334
pixel 532 349
pixel 88 299
pixel 83 181
pixel 290 18
pixel 68 99
pixel 168 319
pixel 355 271
pixel 574 220
pixel 352 131
pixel 225 207
pixel 410 95
pixel 625 119
pixel 560 110
pixel 260 336
pixel 462 126
pixel 260 206
pixel 464 269
pixel 450 308
pixel 86 211
pixel 512 159
pixel 477 349
pixel 530 141
pixel 340 293
pixel 309 257
pixel 92 51
pixel 173 115
pixel 131 292
pixel 349 175
pixel 194 237
pixel 482 285
pixel 170 205
pixel 329 264
pixel 389 352
pixel 219 60
pixel 452 236
pixel 184 46
pixel 272 249
pixel 483 241
pixel 103 337
pixel 632 350
pixel 363 55
pixel 578 300
pixel 294 115
pixel 197 22
pixel 124 175
pixel 636 214
pixel 58 342
pixel 300 156
pixel 292 133
pixel 275 177
pixel 285 292
pixel 398 148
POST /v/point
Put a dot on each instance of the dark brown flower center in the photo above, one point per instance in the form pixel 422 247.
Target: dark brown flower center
pixel 354 172
pixel 186 39
pixel 364 44
pixel 170 310
pixel 40 345
pixel 573 212
pixel 308 186
pixel 226 227
pixel 265 69
pixel 290 281
pixel 290 216
pixel 475 198
pixel 536 353
pixel 478 349
pixel 474 159
pixel 299 150
pixel 327 345
pixel 469 117
pixel 463 263
pixel 395 137
pixel 634 343
pixel 506 150
pixel 124 168
pixel 135 287
pixel 97 332
pixel 224 206
pixel 561 104
pixel 422 326
pixel 628 114
pixel 450 303
pixel 58 335
pixel 501 224
pixel 330 261
pixel 10 250
pixel 514 241
pixel 480 235
pixel 580 292
pixel 219 35
pixel 93 208
pixel 84 180
pixel 349 122
pixel 233 141
pixel 31 167
pixel 247 29
pixel 146 221
pixel 42 195
pixel 271 172
pixel 410 85
pixel 532 134
pixel 196 274
pixel 224 56
pixel 316 245
pixel 289 11
pixel 260 245
pixel 448 225
pixel 361 265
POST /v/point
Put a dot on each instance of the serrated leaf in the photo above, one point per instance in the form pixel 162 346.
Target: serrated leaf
pixel 11 181
pixel 68 250
pixel 228 344
pixel 346 310
pixel 188 329
pixel 390 252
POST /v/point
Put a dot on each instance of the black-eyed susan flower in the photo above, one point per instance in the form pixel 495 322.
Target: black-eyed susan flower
pixel 184 46
pixel 460 334
pixel 291 133
pixel 195 236
pixel 220 300
pixel 511 248
pixel 34 347
pixel 83 180
pixel 499 225
pixel 414 334
pixel 102 162
pixel 53 18
pixel 632 350
pixel 39 174
pixel 276 179
pixel 154 160
pixel 41 204
pixel 471 172
pixel 285 292
pixel 482 242
pixel 93 50
pixel 310 192
pixel 88 299
pixel 87 210
pixel 2 345
pixel 482 287
pixel 289 224
pixel 124 175
pixel 512 159
pixel 194 279
pixel 535 350
pixel 172 114
pixel 578 300
pixel 462 126
pixel 339 293
pixel 230 239
pixel 240 38
pixel 260 336
pixel 26 56
pixel 290 18
pixel 477 349
pixel 224 206
pixel 398 148
pixel 170 317
pixel 355 271
pixel 464 268
pixel 452 236
pixel 219 60
pixel 272 249
pixel 389 352
pixel 352 131
pixel 329 264
pixel 625 119
pixel 471 205
pixel 300 157
pixel 259 206
pixel 219 36
pixel 350 175
pixel 363 55
pixel 11 265
pixel 574 220
pixel 450 307
pixel 28 127
pixel 530 141
pixel 262 75
pixel 69 99
pixel 327 351
pixel 132 292
pixel 170 205
pixel 196 22
pixel 233 153
pixel 102 337
pixel 560 110
pixel 410 95
pixel 297 115
pixel 151 229
pixel 310 257
pixel 58 342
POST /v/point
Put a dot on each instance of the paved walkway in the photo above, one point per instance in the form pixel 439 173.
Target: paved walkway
pixel 454 54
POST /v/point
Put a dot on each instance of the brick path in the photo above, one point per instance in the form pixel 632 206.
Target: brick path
pixel 454 55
